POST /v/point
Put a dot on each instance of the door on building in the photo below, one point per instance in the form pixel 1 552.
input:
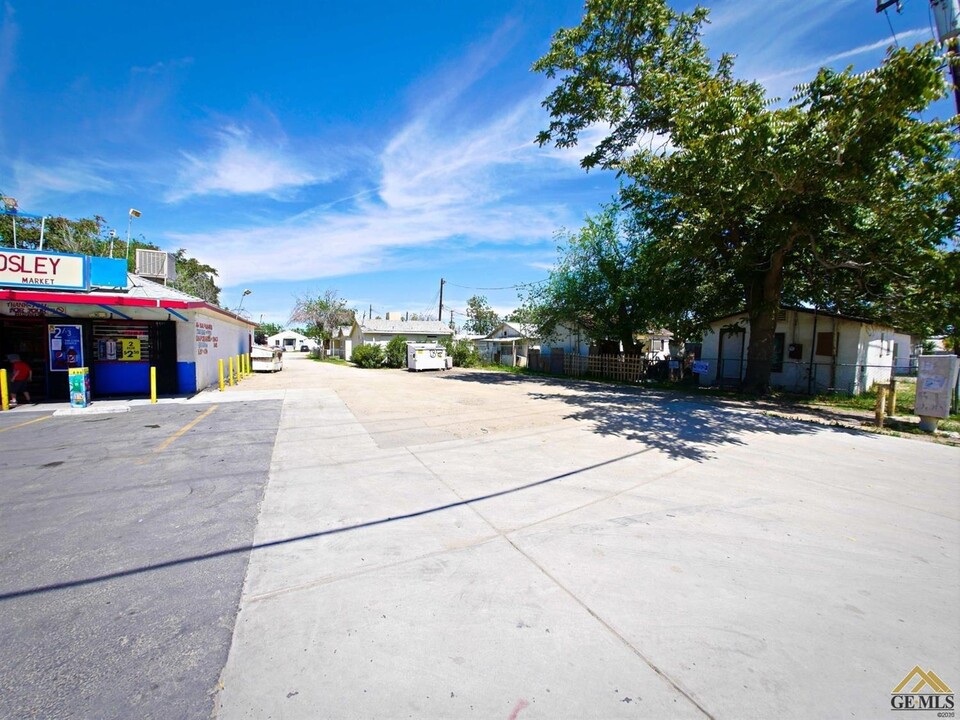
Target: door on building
pixel 732 344
pixel 27 338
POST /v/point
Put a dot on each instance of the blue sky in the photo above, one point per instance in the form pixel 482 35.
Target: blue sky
pixel 367 147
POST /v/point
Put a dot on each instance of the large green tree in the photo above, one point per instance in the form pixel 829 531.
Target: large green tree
pixel 265 330
pixel 844 198
pixel 602 282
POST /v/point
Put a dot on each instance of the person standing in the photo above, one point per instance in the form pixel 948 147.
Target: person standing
pixel 20 376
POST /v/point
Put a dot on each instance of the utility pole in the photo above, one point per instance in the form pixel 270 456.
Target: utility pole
pixel 440 309
pixel 953 57
pixel 451 319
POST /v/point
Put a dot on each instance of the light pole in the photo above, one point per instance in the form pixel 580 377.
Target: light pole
pixel 130 216
pixel 10 208
pixel 240 306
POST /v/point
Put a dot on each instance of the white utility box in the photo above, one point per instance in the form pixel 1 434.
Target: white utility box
pixel 426 356
pixel 936 378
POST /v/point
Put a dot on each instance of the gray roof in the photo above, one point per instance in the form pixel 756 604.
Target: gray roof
pixel 521 331
pixel 404 327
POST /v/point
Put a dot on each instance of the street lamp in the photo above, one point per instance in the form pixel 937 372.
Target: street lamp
pixel 10 208
pixel 240 306
pixel 130 216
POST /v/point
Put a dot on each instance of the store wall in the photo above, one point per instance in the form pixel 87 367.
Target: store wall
pixel 201 343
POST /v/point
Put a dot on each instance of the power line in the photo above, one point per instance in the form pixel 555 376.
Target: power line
pixel 507 287
pixel 886 14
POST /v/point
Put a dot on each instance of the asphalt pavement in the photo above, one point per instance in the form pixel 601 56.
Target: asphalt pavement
pixel 124 540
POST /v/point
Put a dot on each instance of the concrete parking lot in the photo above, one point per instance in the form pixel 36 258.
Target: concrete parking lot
pixel 474 544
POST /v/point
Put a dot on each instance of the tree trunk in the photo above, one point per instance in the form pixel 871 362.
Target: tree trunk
pixel 625 329
pixel 763 304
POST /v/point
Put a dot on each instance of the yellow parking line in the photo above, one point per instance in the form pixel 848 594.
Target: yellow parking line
pixel 28 422
pixel 179 433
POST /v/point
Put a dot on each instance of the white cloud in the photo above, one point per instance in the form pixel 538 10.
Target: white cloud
pixel 831 59
pixel 35 183
pixel 241 164
pixel 783 41
pixel 435 185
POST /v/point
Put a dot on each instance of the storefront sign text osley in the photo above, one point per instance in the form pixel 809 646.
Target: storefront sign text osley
pixel 29 269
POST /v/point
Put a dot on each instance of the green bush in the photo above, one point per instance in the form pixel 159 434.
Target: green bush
pixel 396 355
pixel 368 356
pixel 463 352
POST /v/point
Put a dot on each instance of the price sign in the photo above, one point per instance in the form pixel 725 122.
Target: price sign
pixel 128 349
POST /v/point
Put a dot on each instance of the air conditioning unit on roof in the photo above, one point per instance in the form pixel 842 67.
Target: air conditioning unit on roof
pixel 156 264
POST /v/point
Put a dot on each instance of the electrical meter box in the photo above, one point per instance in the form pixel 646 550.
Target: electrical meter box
pixel 426 356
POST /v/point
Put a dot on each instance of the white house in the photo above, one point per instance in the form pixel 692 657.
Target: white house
pixel 291 341
pixel 509 344
pixel 566 339
pixel 813 352
pixel 340 337
pixel 381 332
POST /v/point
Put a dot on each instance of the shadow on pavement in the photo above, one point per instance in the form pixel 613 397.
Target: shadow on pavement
pixel 682 427
pixel 42 589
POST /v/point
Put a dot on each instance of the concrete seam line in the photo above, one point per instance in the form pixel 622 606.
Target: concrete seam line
pixel 633 487
pixel 28 422
pixel 663 675
pixel 613 631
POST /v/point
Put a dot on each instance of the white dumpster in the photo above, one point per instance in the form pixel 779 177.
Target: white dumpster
pixel 426 356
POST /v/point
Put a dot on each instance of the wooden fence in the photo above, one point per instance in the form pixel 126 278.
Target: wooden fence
pixel 624 368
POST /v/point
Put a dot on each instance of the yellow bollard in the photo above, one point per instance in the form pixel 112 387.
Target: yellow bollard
pixel 238 369
pixel 892 409
pixel 5 402
pixel 230 372
pixel 153 384
pixel 220 368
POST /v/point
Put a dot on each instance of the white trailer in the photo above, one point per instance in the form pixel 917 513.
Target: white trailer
pixel 426 356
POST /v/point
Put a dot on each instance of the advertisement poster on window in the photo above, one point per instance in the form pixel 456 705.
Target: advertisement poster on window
pixel 66 347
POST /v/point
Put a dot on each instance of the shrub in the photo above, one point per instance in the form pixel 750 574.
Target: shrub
pixel 368 356
pixel 463 352
pixel 396 355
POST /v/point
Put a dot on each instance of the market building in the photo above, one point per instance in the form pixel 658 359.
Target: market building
pixel 59 310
